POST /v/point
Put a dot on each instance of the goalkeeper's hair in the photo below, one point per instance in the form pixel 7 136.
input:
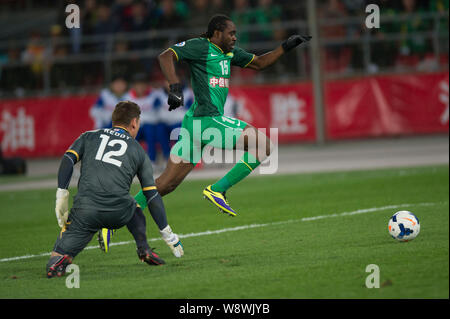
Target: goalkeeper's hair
pixel 218 22
pixel 125 112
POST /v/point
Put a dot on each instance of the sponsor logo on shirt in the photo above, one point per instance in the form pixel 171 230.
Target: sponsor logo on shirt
pixel 220 82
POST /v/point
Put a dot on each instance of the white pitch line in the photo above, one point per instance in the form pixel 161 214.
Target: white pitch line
pixel 219 231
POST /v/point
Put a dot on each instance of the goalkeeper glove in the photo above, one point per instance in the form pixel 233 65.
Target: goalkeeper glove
pixel 176 98
pixel 294 41
pixel 172 241
pixel 62 206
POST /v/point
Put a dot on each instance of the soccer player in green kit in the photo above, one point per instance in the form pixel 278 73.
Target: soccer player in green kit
pixel 210 58
pixel 110 159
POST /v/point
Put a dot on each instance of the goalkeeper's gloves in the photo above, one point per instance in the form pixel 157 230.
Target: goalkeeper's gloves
pixel 176 98
pixel 62 206
pixel 294 41
pixel 172 241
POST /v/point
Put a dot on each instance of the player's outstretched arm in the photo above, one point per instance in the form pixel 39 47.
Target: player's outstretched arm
pixel 166 61
pixel 265 60
pixel 62 194
pixel 158 212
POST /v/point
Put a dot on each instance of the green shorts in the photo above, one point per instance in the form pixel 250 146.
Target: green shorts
pixel 197 132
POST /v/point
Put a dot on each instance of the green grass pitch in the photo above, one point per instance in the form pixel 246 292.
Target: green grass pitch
pixel 296 236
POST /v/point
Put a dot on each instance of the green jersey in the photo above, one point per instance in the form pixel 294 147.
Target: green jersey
pixel 110 159
pixel 210 73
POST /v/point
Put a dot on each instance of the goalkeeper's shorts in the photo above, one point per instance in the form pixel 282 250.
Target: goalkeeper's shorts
pixel 82 224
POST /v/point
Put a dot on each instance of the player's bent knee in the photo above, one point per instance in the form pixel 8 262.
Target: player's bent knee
pixel 265 147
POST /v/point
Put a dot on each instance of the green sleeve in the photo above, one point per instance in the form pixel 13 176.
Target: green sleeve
pixel 193 49
pixel 241 57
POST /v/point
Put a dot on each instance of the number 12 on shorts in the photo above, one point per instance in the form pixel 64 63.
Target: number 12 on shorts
pixel 108 156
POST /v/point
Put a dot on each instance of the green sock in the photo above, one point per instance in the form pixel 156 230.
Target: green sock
pixel 141 200
pixel 239 171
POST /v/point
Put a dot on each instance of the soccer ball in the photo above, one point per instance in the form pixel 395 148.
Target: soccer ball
pixel 404 226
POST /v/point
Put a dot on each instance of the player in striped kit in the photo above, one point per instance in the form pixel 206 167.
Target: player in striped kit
pixel 170 121
pixel 141 94
pixel 103 108
pixel 210 58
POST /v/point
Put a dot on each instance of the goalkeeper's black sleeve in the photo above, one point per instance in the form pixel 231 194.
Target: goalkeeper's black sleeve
pixel 65 170
pixel 156 208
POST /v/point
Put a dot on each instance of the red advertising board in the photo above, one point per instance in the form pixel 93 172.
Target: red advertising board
pixel 387 105
pixel 43 127
pixel 364 107
pixel 289 108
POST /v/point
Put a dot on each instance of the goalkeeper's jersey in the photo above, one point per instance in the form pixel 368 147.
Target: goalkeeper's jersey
pixel 210 73
pixel 110 159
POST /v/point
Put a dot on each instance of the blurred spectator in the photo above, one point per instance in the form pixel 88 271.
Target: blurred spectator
pixel 242 15
pixel 106 24
pixel 199 14
pixel 88 17
pixel 121 9
pixel 201 11
pixel 62 75
pixel 104 17
pixel 442 6
pixel 294 9
pixel 140 93
pixel 34 55
pixel 169 120
pixel 171 14
pixel 354 29
pixel 140 22
pixel 122 64
pixel 337 56
pixel 267 15
pixel 356 7
pixel 384 52
pixel 56 39
pixel 101 111
pixel 13 77
pixel 415 45
pixel 219 6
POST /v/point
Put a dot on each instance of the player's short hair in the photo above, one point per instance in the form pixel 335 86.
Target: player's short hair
pixel 125 112
pixel 217 22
